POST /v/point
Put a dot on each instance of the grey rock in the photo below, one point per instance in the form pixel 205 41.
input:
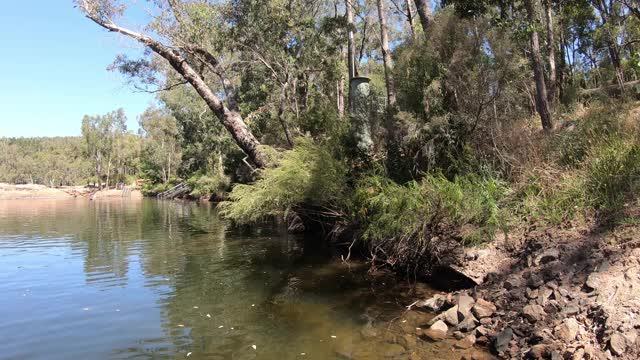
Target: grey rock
pixel 617 344
pixel 502 340
pixel 433 304
pixel 482 331
pixel 578 354
pixel 535 282
pixel 547 257
pixel 464 303
pixel 440 326
pixel 539 351
pixel 533 313
pixel 512 283
pixel 468 324
pixel 531 294
pixel 451 316
pixel 567 330
pixel 483 309
pixel 465 343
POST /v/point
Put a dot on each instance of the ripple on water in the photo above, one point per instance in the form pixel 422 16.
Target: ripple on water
pixel 118 280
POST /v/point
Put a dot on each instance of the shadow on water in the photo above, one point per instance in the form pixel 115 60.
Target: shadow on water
pixel 154 279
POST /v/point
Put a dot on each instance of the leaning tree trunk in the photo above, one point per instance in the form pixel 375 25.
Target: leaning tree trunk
pixel 231 120
pixel 542 103
pixel 425 14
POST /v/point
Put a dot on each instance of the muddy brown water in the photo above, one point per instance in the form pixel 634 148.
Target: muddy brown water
pixel 169 280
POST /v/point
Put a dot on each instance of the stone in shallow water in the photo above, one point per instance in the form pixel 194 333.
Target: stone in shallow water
pixel 466 343
pixel 434 335
pixel 451 316
pixel 392 350
pixel 464 303
pixel 468 324
pixel 440 326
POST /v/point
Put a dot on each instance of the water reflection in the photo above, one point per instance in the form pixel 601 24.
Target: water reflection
pixel 150 279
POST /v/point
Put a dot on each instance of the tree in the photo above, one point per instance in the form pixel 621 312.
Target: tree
pixel 185 58
pixel 425 14
pixel 103 135
pixel 386 55
pixel 542 102
pixel 161 154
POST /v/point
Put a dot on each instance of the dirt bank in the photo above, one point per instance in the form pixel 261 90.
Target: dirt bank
pixel 559 293
pixel 32 191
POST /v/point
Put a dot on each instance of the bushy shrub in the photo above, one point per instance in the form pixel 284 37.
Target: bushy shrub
pixel 206 186
pixel 613 173
pixel 308 175
pixel 419 221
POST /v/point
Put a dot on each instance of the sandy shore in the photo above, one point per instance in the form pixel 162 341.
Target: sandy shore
pixel 32 191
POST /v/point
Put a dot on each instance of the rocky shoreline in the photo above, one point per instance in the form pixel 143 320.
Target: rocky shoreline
pixel 560 294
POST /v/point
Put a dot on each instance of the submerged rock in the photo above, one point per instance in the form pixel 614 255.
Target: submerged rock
pixel 451 316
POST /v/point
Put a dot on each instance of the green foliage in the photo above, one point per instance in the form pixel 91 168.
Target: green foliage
pixel 600 156
pixel 601 123
pixel 613 173
pixel 48 161
pixel 308 174
pixel 419 210
pixel 206 186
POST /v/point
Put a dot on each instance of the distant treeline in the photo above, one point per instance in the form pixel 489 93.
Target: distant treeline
pixel 52 161
pixel 106 153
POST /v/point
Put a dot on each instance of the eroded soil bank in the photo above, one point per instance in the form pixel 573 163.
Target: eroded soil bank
pixel 559 293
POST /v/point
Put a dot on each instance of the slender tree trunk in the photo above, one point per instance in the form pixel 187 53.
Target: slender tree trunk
pixel 281 119
pixel 351 46
pixel 563 64
pixel 386 55
pixel 542 104
pixel 425 14
pixel 231 120
pixel 412 25
pixel 340 96
pixel 614 54
pixel 551 49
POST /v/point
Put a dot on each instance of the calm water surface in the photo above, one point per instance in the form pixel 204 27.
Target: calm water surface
pixel 150 279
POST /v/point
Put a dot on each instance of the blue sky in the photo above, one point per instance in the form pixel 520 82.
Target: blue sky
pixel 53 68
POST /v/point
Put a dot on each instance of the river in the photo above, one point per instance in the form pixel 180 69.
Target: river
pixel 146 279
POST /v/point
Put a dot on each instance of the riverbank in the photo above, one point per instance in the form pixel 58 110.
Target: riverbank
pixel 34 191
pixel 551 293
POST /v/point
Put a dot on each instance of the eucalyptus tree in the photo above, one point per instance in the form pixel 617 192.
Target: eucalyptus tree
pixel 425 14
pixel 184 35
pixel 103 136
pixel 161 154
